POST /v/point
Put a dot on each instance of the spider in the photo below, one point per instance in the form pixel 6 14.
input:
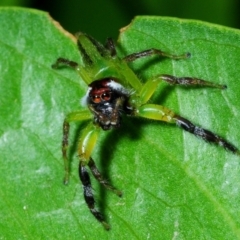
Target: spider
pixel 113 90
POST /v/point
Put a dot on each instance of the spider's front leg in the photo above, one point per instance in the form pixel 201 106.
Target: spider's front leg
pixel 86 145
pixel 74 116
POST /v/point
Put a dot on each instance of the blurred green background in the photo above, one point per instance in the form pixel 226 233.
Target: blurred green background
pixel 104 18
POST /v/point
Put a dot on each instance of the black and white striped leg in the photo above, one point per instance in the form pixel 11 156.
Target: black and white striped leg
pixel 206 135
pixel 88 194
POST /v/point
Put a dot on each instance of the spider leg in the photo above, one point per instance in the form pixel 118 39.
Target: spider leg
pixel 88 194
pixel 65 62
pixel 188 81
pixel 66 128
pixel 150 86
pixel 86 145
pixel 75 116
pixel 160 113
pixel 100 178
pixel 153 51
pixel 111 46
pixel 206 135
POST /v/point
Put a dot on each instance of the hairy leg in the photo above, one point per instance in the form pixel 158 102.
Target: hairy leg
pixel 160 113
pixel 153 51
pixel 88 194
pixel 66 62
pixel 206 135
pixel 66 127
pixel 100 178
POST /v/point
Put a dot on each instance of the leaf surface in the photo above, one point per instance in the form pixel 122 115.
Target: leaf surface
pixel 175 185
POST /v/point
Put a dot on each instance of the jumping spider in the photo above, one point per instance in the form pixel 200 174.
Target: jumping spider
pixel 113 90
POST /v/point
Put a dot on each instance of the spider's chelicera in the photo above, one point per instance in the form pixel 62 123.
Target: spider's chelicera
pixel 113 90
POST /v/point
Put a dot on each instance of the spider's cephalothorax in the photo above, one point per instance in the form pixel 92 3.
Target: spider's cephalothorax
pixel 107 100
pixel 110 82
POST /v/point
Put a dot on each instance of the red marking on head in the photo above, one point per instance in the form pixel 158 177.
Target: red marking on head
pixel 100 91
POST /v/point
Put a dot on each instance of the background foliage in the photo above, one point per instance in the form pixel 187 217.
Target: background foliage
pixel 104 18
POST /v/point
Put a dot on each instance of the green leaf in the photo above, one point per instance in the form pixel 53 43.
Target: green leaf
pixel 175 185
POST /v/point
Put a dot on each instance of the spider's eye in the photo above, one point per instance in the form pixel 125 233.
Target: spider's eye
pixel 96 99
pixel 106 96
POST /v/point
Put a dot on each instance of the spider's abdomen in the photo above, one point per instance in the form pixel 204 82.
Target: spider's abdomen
pixel 107 100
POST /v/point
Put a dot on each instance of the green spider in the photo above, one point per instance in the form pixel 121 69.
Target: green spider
pixel 113 90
